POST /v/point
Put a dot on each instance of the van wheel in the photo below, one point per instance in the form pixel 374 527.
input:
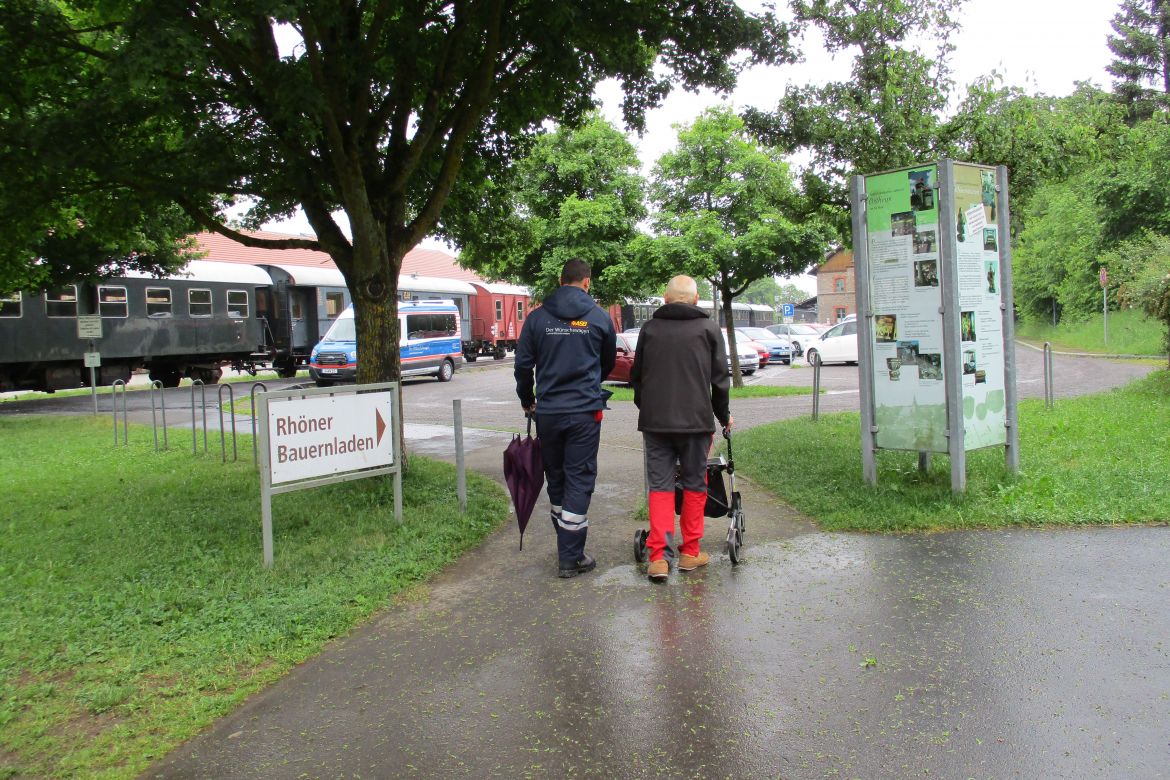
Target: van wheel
pixel 446 371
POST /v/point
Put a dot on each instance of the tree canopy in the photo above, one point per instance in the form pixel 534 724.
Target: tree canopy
pixel 577 194
pixel 728 210
pixel 1140 43
pixel 380 110
pixel 887 114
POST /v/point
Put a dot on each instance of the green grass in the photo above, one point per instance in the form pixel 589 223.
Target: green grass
pixel 750 391
pixel 1094 460
pixel 134 605
pixel 1130 333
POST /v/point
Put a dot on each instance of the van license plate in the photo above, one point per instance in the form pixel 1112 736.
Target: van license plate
pixel 329 371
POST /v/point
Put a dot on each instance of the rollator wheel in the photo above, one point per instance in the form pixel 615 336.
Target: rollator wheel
pixel 734 541
pixel 735 532
pixel 640 554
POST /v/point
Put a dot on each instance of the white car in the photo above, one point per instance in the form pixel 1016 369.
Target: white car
pixel 797 333
pixel 838 344
pixel 749 358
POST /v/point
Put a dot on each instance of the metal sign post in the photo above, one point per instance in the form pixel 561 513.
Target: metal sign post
pixel 89 327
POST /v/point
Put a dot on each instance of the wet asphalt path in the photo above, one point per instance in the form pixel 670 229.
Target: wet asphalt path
pixel 1008 654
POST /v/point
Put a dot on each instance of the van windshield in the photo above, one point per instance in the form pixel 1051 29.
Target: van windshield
pixel 342 330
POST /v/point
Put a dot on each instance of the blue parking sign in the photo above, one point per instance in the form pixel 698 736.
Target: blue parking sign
pixel 789 309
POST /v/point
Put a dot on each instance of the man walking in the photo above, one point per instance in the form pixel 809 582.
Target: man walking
pixel 571 344
pixel 680 386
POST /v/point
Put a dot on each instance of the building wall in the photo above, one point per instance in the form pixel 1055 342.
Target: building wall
pixel 836 288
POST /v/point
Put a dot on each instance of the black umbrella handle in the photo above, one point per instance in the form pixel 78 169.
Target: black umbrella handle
pixel 530 417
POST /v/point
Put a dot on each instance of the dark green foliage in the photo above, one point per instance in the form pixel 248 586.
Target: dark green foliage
pixel 1140 43
pixel 577 194
pixel 887 114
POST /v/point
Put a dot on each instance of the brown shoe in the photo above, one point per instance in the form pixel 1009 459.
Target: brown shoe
pixel 692 562
pixel 658 570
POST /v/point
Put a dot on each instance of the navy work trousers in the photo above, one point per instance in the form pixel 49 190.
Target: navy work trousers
pixel 568 444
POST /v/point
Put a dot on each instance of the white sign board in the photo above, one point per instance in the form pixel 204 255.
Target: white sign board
pixel 319 436
pixel 93 359
pixel 89 326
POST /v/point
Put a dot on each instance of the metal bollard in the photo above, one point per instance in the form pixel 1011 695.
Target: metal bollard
pixel 460 471
pixel 157 385
pixel 203 404
pixel 232 407
pixel 1049 388
pixel 264 387
pixel 816 410
pixel 114 405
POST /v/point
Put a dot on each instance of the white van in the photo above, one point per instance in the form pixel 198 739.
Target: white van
pixel 429 344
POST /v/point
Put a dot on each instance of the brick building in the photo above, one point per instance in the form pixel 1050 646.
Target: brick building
pixel 836 287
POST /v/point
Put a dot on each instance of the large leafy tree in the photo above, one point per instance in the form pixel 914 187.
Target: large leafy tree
pixel 888 113
pixel 577 194
pixel 728 210
pixel 378 109
pixel 1140 43
pixel 1041 139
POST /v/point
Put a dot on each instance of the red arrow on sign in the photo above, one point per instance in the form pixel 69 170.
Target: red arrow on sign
pixel 381 425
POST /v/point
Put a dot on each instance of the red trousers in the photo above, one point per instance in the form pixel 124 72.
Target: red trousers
pixel 661 506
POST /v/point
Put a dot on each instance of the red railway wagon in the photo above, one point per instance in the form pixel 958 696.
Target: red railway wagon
pixel 498 312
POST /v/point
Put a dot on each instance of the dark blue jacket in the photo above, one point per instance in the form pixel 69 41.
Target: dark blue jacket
pixel 570 342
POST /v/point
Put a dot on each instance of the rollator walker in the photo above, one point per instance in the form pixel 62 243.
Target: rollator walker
pixel 718 505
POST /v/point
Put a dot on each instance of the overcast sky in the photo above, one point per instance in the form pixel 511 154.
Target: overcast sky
pixel 1041 45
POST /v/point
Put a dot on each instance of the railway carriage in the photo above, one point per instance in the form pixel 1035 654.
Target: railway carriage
pixel 215 313
pixel 187 325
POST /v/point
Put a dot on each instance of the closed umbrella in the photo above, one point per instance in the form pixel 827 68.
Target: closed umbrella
pixel 524 476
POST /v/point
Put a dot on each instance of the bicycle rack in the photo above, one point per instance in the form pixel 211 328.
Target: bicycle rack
pixel 158 385
pixel 114 405
pixel 232 412
pixel 203 404
pixel 255 455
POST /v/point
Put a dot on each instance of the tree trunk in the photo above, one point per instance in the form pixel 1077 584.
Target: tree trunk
pixel 729 325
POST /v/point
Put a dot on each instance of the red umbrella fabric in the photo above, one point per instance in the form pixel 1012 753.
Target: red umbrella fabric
pixel 524 476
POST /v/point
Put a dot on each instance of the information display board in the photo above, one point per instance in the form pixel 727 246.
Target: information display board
pixel 934 313
pixel 910 404
pixel 980 290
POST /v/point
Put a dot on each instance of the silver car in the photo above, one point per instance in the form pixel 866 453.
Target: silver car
pixel 749 359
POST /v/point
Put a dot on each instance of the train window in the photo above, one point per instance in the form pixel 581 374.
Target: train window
pixel 112 302
pixel 158 302
pixel 10 305
pixel 499 310
pixel 61 303
pixel 430 326
pixel 237 303
pixel 334 304
pixel 519 310
pixel 199 303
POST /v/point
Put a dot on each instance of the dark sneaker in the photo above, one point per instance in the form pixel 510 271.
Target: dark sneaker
pixel 580 567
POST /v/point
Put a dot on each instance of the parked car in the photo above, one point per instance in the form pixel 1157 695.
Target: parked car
pixel 779 348
pixel 838 344
pixel 626 344
pixel 749 358
pixel 798 334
